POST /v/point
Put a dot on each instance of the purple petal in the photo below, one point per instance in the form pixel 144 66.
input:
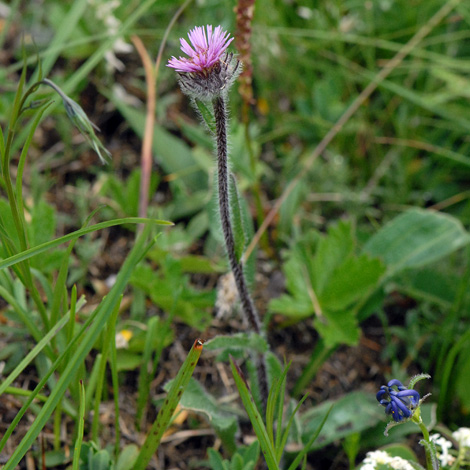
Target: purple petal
pixel 380 394
pixel 394 412
pixel 206 49
pixel 395 382
pixel 403 408
pixel 412 394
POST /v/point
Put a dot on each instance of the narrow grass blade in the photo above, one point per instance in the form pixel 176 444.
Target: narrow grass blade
pixel 59 291
pixel 305 450
pixel 255 417
pixel 115 382
pixel 20 392
pixel 27 254
pixel 273 400
pixel 81 427
pixel 32 354
pixel 61 36
pixel 144 375
pixel 280 446
pixel 108 339
pixel 93 381
pixel 91 331
pixel 26 320
pixel 166 412
pixel 22 161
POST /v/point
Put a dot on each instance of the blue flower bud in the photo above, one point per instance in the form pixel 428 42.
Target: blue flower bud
pixel 398 400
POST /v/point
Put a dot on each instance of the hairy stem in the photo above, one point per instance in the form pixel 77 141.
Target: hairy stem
pixel 248 306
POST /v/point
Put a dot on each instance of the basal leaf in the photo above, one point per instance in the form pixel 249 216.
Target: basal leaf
pixel 416 238
pixel 331 252
pixel 197 399
pixel 353 413
pixel 237 345
pixel 354 278
pixel 338 327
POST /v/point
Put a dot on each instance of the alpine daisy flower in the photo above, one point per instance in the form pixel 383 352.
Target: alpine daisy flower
pixel 206 75
pixel 208 69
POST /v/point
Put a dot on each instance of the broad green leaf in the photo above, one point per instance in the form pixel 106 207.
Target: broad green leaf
pixel 429 284
pixel 101 460
pixel 41 230
pixel 245 458
pixel 250 455
pixel 325 278
pixel 216 461
pixel 353 413
pixel 127 457
pixel 297 277
pixel 198 264
pixel 127 360
pixel 338 327
pixel 237 345
pixel 353 279
pixel 416 238
pixel 197 399
pixel 331 252
pixel 292 306
pixel 172 153
pixel 190 304
pixel 400 450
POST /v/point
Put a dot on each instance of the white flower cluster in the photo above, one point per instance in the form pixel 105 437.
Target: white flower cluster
pixel 444 445
pixel 462 436
pixel 375 459
pixel 104 10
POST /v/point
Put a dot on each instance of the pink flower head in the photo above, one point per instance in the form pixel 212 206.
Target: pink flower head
pixel 209 70
pixel 206 51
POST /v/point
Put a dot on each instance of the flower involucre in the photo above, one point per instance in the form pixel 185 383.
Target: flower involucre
pixel 208 69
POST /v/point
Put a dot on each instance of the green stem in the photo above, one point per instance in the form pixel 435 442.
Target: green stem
pixel 18 218
pixel 426 448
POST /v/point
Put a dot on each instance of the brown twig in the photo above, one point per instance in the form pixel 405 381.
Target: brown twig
pixel 146 152
pixel 151 78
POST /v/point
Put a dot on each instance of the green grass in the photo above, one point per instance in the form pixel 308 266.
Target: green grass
pixel 359 133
